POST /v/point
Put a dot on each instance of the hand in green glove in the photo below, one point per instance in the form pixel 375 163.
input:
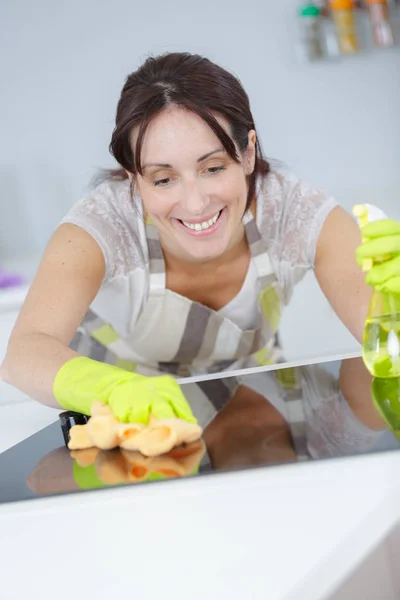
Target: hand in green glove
pixel 382 245
pixel 131 397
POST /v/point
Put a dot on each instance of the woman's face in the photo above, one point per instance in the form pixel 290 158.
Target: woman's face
pixel 191 189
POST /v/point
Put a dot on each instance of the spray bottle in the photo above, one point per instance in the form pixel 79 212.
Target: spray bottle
pixel 386 397
pixel 381 340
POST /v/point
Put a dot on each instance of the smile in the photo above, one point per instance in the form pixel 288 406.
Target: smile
pixel 204 224
pixel 202 228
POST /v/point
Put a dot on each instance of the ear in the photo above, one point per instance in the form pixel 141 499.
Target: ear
pixel 133 181
pixel 250 152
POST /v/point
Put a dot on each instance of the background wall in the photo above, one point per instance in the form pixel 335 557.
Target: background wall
pixel 63 65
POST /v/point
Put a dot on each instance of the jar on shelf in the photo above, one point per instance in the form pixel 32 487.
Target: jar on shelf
pixel 311 36
pixel 343 16
pixel 379 15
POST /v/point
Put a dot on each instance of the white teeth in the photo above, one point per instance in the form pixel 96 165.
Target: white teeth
pixel 204 225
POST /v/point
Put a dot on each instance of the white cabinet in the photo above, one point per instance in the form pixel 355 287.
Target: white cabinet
pixel 378 577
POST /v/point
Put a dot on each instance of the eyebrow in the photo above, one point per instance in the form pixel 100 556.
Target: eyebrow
pixel 168 166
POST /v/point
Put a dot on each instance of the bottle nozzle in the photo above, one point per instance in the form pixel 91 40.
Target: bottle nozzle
pixel 360 211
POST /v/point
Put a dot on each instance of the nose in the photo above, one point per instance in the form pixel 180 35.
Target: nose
pixel 193 199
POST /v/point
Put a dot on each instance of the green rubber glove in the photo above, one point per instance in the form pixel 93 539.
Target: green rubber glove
pixel 86 478
pixel 382 245
pixel 131 397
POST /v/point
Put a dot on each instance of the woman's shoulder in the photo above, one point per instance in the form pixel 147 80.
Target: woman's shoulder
pixel 107 212
pixel 289 208
pixel 106 200
pixel 283 187
pixel 274 193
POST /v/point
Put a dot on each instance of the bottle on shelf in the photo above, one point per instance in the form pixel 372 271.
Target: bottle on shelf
pixel 311 38
pixel 379 16
pixel 343 16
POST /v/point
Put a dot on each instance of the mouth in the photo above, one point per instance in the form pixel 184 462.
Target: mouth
pixel 204 228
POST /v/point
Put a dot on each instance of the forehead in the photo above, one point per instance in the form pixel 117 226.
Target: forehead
pixel 177 131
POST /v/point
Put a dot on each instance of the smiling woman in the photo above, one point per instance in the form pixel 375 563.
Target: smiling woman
pixel 181 261
pixel 195 200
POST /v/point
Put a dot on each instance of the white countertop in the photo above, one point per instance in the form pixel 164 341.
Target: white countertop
pixel 19 421
pixel 286 533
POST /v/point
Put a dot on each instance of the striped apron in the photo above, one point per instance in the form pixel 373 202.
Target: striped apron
pixel 177 336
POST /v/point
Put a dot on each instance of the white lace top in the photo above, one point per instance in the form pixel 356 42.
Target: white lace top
pixel 290 215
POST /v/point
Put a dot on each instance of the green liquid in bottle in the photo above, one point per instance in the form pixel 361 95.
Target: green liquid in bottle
pixel 386 397
pixel 381 345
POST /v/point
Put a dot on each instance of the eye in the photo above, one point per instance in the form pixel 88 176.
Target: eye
pixel 162 182
pixel 213 170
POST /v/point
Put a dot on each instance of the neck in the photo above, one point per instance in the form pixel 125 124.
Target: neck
pixel 179 263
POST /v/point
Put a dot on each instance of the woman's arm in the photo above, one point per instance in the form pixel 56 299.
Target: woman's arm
pixel 355 384
pixel 340 278
pixel 67 281
pixel 248 431
pixel 53 474
pixel 343 284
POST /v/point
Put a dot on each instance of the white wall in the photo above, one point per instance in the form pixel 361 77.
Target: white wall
pixel 63 65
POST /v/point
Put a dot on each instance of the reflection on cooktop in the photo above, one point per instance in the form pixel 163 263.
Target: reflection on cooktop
pixel 282 416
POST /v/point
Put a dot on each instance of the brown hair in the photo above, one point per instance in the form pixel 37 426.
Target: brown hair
pixel 192 82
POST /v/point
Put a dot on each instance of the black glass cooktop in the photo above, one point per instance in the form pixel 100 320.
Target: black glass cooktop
pixel 288 415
